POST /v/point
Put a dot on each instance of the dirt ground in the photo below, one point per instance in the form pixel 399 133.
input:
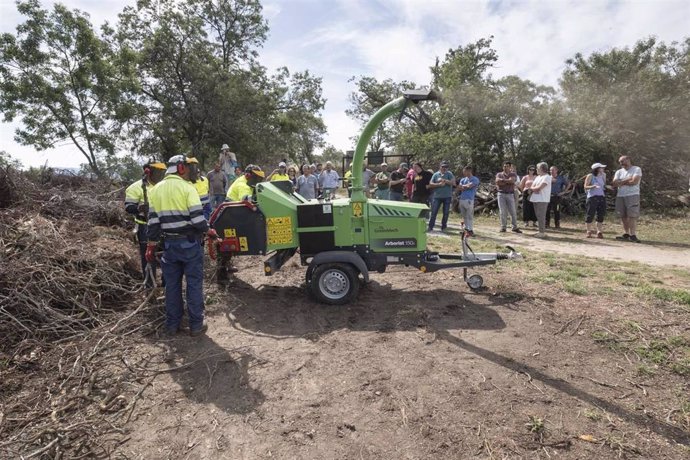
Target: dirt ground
pixel 419 367
pixel 570 240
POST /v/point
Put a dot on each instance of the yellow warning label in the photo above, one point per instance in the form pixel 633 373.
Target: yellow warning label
pixel 279 230
pixel 229 233
pixel 244 247
pixel 357 209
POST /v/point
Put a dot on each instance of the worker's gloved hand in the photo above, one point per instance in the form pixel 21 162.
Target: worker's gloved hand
pixel 212 234
pixel 151 252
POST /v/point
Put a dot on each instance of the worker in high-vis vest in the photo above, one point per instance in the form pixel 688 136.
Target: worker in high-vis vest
pixel 243 187
pixel 202 188
pixel 240 190
pixel 176 223
pixel 137 204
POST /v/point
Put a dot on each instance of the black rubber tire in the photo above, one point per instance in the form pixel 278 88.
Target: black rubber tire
pixel 344 273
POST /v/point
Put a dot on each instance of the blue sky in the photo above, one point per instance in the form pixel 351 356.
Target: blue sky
pixel 400 39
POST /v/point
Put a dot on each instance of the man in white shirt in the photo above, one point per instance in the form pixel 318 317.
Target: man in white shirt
pixel 627 179
pixel 328 179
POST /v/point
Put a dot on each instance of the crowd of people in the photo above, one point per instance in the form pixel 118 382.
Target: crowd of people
pixel 173 201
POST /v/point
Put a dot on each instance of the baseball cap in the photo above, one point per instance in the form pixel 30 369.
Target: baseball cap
pixel 445 164
pixel 282 165
pixel 598 165
pixel 404 165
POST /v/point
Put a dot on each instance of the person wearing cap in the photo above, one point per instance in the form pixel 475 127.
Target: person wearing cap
pixel 228 163
pixel 243 187
pixel 328 179
pixel 627 179
pixel 176 222
pixel 397 183
pixel 442 183
pixel 382 180
pixel 137 204
pixel 595 183
pixel 279 174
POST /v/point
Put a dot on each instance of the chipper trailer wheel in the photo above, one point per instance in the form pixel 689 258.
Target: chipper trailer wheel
pixel 475 282
pixel 334 283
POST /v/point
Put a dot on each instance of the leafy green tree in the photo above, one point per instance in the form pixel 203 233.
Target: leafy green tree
pixel 200 85
pixel 61 79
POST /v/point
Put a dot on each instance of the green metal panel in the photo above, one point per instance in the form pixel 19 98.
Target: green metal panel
pixel 396 226
pixel 280 210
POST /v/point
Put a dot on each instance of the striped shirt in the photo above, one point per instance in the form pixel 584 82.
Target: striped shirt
pixel 175 208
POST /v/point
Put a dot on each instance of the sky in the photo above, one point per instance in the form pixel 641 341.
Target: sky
pixel 400 39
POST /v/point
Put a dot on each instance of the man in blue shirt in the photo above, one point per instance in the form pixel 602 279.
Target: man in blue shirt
pixel 442 183
pixel 468 189
pixel 559 187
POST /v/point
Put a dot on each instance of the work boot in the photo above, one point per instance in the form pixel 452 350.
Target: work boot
pixel 517 230
pixel 624 237
pixel 200 331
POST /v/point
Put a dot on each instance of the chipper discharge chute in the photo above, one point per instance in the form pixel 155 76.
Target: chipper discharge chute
pixel 340 239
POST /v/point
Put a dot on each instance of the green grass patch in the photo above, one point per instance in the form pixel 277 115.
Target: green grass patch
pixel 679 296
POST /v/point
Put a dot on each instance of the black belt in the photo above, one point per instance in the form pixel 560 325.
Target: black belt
pixel 178 236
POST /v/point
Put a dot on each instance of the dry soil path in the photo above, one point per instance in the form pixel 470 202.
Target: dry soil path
pixel 571 241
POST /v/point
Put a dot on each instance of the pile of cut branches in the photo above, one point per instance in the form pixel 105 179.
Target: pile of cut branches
pixel 70 367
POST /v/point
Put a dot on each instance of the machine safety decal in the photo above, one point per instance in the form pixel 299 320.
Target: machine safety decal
pixel 244 246
pixel 356 209
pixel 229 233
pixel 279 230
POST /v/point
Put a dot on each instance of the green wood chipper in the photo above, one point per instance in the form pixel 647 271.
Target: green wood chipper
pixel 340 239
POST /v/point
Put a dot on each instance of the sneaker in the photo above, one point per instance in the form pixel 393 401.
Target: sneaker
pixel 624 237
pixel 600 235
pixel 540 235
pixel 517 230
pixel 232 269
pixel 503 230
pixel 200 331
pixel 590 234
pixel 634 239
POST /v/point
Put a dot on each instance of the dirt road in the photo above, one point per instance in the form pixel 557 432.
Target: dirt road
pixel 570 241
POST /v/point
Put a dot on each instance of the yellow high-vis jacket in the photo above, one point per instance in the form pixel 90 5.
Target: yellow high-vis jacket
pixel 202 188
pixel 239 189
pixel 175 208
pixel 134 196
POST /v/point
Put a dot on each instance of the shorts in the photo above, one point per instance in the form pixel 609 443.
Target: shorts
pixel 628 206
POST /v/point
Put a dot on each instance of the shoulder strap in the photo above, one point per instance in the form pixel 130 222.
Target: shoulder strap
pixel 143 186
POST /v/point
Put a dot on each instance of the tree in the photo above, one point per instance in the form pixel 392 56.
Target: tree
pixel 199 85
pixel 635 100
pixel 61 79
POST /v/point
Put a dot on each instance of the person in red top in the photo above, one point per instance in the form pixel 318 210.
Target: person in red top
pixel 409 182
pixel 505 181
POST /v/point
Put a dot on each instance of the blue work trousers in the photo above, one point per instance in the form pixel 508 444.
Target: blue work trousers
pixel 183 258
pixel 435 205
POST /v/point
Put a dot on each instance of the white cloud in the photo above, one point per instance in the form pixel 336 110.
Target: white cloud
pixel 400 39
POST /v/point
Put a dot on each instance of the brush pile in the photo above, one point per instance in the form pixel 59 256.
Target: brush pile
pixel 70 366
pixel 64 260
